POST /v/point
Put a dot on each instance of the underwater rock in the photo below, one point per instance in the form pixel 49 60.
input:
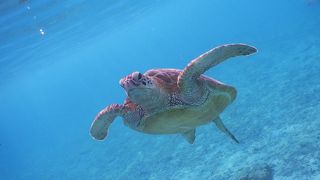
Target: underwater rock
pixel 257 172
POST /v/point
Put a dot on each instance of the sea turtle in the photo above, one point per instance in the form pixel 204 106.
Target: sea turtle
pixel 171 101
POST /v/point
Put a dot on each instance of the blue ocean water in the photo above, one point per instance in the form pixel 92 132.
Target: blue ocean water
pixel 60 63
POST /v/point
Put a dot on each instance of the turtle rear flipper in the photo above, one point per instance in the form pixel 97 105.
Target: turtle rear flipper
pixel 223 128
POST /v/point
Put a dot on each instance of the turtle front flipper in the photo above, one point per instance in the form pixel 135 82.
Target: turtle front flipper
pixel 100 125
pixel 188 83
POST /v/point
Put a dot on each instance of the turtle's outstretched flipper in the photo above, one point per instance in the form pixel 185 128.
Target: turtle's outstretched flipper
pixel 221 126
pixel 100 125
pixel 188 80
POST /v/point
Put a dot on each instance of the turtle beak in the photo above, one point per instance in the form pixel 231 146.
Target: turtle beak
pixel 124 81
pixel 127 83
pixel 121 82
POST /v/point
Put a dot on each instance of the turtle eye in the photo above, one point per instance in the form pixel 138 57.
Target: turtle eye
pixel 136 76
pixel 139 76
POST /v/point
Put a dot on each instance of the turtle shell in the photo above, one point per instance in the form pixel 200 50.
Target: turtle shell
pixel 182 117
pixel 168 78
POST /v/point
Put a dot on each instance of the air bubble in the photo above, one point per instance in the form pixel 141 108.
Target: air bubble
pixel 41 31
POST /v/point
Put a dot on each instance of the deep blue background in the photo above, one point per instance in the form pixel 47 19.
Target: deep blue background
pixel 52 86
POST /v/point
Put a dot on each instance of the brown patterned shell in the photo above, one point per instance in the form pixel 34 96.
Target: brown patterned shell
pixel 168 78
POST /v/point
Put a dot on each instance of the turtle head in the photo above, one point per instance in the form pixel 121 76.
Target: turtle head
pixel 141 89
pixel 136 80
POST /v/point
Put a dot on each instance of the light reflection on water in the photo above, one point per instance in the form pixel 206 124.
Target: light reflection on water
pixel 30 28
